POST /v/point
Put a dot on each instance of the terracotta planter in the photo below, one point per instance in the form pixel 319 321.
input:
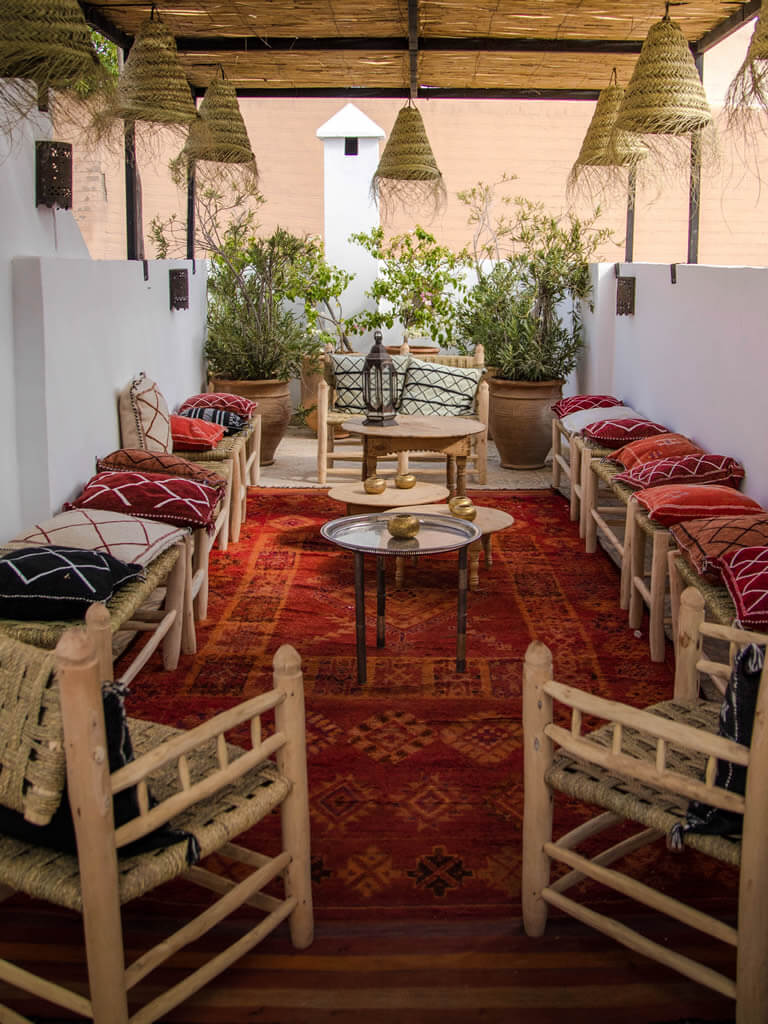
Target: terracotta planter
pixel 274 400
pixel 311 375
pixel 521 420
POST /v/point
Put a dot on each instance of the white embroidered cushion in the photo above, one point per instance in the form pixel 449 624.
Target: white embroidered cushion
pixel 128 538
pixel 145 420
pixel 576 421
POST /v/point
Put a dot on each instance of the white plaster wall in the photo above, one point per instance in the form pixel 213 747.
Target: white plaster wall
pixel 694 357
pixel 72 333
pixel 594 372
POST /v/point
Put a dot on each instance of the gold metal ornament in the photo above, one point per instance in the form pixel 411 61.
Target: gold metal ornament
pixel 462 508
pixel 405 480
pixel 374 485
pixel 403 526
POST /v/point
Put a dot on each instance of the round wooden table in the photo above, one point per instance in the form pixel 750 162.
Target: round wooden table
pixel 357 500
pixel 447 435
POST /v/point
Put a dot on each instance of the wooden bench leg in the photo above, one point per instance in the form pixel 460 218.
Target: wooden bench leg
pixel 658 594
pixel 625 585
pixel 589 490
pixel 574 459
pixel 637 573
pixel 556 452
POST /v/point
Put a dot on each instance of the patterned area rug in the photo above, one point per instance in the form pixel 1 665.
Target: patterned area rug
pixel 415 779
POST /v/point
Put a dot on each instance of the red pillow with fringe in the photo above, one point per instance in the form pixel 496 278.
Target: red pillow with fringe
pixel 649 449
pixel 615 433
pixel 220 400
pixel 194 435
pixel 745 574
pixel 685 469
pixel 578 402
pixel 675 503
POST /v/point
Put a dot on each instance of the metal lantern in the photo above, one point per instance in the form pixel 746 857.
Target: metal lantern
pixel 380 386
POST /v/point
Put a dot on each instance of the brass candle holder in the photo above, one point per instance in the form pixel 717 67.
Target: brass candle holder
pixel 405 480
pixel 403 526
pixel 462 508
pixel 374 485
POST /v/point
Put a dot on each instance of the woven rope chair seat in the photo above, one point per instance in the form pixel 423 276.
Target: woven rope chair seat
pixel 634 800
pixel 53 876
pixel 606 470
pixel 647 525
pixel 595 450
pixel 717 601
pixel 121 607
pixel 226 449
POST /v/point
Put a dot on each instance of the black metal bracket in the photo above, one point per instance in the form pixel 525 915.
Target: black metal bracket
pixel 625 296
pixel 178 281
pixel 145 265
pixel 673 273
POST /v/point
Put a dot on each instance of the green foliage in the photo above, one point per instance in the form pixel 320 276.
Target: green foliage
pixel 253 330
pixel 106 52
pixel 513 309
pixel 419 280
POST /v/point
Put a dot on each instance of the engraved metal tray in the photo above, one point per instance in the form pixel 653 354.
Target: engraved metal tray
pixel 369 533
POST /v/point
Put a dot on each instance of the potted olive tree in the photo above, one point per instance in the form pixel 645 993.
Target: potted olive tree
pixel 525 309
pixel 418 284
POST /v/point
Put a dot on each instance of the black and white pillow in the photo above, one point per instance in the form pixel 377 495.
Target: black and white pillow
pixel 348 380
pixel 433 389
pixel 53 582
pixel 231 421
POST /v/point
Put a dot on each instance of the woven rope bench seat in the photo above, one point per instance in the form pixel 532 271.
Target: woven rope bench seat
pixel 53 876
pixel 717 601
pixel 226 449
pixel 595 450
pixel 632 799
pixel 121 607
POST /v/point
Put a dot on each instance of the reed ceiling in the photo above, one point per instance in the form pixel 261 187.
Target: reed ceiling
pixel 548 48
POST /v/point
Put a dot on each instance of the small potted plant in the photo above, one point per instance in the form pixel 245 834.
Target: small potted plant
pixel 418 285
pixel 525 311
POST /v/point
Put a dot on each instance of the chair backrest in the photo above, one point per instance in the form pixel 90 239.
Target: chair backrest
pixel 477 359
pixel 32 765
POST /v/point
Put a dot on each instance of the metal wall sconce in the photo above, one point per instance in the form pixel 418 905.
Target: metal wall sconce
pixel 179 287
pixel 625 296
pixel 53 174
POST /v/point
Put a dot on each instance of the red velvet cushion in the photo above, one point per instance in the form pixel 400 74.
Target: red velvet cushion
pixel 745 574
pixel 159 462
pixel 614 433
pixel 577 402
pixel 649 449
pixel 684 469
pixel 220 400
pixel 170 499
pixel 194 435
pixel 703 541
pixel 675 503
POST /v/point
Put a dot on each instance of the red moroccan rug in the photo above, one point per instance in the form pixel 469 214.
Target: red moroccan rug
pixel 416 779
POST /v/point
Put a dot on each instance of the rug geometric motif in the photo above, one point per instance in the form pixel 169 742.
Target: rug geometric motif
pixel 415 778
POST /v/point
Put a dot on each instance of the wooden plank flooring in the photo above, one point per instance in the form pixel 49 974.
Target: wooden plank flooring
pixel 429 972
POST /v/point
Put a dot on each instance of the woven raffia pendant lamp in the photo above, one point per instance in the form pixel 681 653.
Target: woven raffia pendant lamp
pixel 48 43
pixel 408 174
pixel 748 92
pixel 665 95
pixel 606 151
pixel 220 134
pixel 153 86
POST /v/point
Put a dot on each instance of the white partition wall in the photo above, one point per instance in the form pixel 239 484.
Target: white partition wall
pixel 73 331
pixel 694 356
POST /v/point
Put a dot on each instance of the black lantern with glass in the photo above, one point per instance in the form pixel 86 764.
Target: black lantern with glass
pixel 380 386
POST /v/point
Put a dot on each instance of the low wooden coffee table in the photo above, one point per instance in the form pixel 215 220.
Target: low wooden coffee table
pixel 447 435
pixel 488 521
pixel 358 501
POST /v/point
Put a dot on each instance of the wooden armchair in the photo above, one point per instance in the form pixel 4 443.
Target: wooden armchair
pixel 199 783
pixel 644 766
pixel 332 450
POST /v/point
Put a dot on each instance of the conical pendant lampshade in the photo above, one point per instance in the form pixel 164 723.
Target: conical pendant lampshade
pixel 47 41
pixel 219 134
pixel 605 151
pixel 153 86
pixel 748 92
pixel 665 95
pixel 408 174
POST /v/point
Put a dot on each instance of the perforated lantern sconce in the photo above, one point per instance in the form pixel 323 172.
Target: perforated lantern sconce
pixel 53 174
pixel 380 386
pixel 179 287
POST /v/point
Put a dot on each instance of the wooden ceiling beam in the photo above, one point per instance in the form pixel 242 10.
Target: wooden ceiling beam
pixel 726 28
pixel 425 92
pixel 461 44
pixel 413 47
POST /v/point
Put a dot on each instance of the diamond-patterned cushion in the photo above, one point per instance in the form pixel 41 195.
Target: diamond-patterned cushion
pixel 576 403
pixel 684 469
pixel 220 400
pixel 703 541
pixel 144 416
pixel 433 389
pixel 58 582
pixel 191 435
pixel 232 422
pixel 575 422
pixel 650 449
pixel 348 379
pixel 745 574
pixel 674 503
pixel 135 459
pixel 614 433
pixel 171 499
pixel 125 537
